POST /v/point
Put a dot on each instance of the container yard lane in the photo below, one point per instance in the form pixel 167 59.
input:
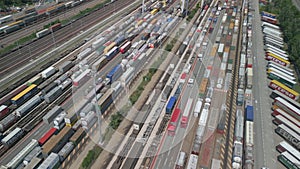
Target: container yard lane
pixel 169 152
pixel 265 153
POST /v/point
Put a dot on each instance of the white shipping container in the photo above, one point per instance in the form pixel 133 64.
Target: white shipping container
pixel 192 163
pixel 221 48
pixel 98 42
pixel 26 106
pixel 198 107
pixel 88 118
pixel 21 155
pixel 48 72
pixel 84 53
pixel 50 162
pixel 60 118
pixel 249 133
pixel 223 66
pixel 225 57
pixel 127 75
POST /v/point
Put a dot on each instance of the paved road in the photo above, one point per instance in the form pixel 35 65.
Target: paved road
pixel 264 134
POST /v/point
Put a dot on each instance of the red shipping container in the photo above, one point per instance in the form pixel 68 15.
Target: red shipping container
pixel 47 136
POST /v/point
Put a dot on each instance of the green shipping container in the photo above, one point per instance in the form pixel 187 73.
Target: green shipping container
pixel 287 163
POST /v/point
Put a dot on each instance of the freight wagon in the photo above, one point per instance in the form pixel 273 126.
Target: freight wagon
pixel 52 161
pixel 13 137
pixel 24 95
pixel 65 151
pixel 47 136
pixel 99 64
pixel 112 53
pixel 7 122
pixel 53 94
pixel 29 105
pixel 56 142
pixel 127 76
pixel 186 113
pixel 33 153
pixel 171 105
pixel 82 78
pixel 115 73
pixel 42 33
pixel 19 157
pixel 3 111
pixel 105 101
pixel 65 66
pixel 78 136
pixel 173 122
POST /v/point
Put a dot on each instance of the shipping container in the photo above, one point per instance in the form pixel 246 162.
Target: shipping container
pixel 53 94
pixel 99 64
pixel 7 122
pixel 65 151
pixel 115 73
pixel 3 111
pixel 78 136
pixel 24 95
pixel 171 105
pixel 65 66
pixel 56 142
pixel 48 72
pixel 105 101
pixel 16 160
pixel 249 113
pixel 47 136
pixel 51 162
pixel 82 78
pixel 42 33
pixel 289 135
pixel 13 137
pixel 33 153
pixel 27 106
pixel 112 53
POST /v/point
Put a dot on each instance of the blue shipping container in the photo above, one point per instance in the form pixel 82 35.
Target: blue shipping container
pixel 249 113
pixel 170 105
pixel 115 73
pixel 268 15
pixel 112 53
pixel 120 40
pixel 169 19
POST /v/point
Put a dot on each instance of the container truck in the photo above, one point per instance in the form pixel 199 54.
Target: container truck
pixel 171 105
pixel 186 113
pixel 249 113
pixel 115 73
pixel 173 122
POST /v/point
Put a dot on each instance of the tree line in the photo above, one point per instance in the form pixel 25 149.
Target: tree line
pixel 289 21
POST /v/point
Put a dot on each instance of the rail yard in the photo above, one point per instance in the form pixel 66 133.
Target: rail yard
pixel 183 77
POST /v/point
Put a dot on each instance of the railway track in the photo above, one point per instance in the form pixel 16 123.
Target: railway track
pixel 32 51
pixel 232 93
pixel 7 39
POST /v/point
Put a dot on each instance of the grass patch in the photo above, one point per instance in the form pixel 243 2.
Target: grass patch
pixel 91 157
